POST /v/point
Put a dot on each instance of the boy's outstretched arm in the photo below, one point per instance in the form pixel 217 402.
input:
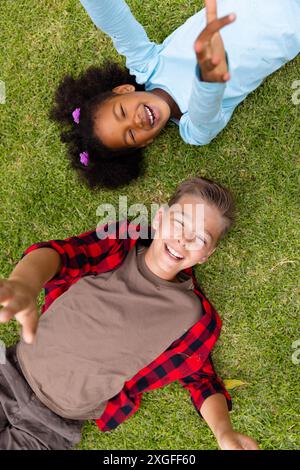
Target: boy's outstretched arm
pixel 213 403
pixel 59 263
pixel 55 265
pixel 18 294
pixel 215 412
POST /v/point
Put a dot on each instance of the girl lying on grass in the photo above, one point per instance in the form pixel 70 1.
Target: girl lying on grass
pixel 195 78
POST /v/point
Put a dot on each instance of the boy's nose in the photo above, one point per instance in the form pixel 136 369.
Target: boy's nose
pixel 187 239
pixel 189 236
pixel 190 239
pixel 182 243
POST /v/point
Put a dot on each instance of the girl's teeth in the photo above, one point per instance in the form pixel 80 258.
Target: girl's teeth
pixel 150 115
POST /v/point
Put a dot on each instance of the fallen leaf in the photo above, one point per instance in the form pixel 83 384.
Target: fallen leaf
pixel 233 383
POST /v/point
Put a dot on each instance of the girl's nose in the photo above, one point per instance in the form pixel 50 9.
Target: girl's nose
pixel 138 121
pixel 139 117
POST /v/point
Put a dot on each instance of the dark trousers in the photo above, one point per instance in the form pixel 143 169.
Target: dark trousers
pixel 25 422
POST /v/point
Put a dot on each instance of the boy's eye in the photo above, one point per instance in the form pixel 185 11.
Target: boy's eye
pixel 201 240
pixel 178 223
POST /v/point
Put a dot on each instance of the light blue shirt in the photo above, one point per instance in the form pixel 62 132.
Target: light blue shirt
pixel 265 35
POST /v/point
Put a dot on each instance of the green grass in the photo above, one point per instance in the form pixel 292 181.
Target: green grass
pixel 252 278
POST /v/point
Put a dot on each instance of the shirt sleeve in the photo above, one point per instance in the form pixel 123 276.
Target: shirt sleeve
pixel 85 254
pixel 114 17
pixel 207 115
pixel 203 384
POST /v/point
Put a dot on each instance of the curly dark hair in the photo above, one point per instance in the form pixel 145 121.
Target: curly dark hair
pixel 107 167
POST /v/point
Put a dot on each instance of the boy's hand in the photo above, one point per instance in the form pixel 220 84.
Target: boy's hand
pixel 18 301
pixel 209 46
pixel 232 440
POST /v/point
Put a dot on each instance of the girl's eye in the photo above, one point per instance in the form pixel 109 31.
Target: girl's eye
pixel 132 136
pixel 122 110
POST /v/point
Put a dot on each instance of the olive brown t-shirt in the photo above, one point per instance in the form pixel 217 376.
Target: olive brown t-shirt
pixel 102 331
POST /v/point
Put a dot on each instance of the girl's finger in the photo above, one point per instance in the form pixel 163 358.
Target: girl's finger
pixel 215 60
pixel 202 49
pixel 198 47
pixel 216 25
pixel 211 10
pixel 208 65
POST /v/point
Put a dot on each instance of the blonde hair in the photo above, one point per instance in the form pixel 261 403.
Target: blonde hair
pixel 211 192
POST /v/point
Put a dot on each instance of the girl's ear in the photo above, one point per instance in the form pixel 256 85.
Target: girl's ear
pixel 126 88
pixel 147 143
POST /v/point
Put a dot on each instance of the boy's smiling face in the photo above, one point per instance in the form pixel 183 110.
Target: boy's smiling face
pixel 186 234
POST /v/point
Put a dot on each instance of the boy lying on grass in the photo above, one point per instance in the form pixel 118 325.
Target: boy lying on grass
pixel 123 315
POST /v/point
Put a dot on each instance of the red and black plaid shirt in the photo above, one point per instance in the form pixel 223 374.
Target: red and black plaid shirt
pixel 187 359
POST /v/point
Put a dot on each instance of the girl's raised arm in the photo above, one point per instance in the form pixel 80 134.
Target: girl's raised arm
pixel 206 115
pixel 128 36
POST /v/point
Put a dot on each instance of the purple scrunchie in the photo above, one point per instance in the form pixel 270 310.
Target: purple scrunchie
pixel 84 158
pixel 76 115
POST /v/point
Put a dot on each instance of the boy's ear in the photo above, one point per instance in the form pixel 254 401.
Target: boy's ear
pixel 126 88
pixel 205 258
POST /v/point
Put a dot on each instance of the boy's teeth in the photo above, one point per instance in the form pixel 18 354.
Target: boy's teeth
pixel 174 253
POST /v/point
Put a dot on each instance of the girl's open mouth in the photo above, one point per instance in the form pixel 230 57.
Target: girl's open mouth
pixel 152 114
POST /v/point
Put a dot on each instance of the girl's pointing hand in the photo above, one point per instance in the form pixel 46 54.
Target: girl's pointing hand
pixel 209 46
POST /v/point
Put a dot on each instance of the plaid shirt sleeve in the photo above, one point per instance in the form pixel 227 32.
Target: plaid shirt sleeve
pixel 203 384
pixel 81 255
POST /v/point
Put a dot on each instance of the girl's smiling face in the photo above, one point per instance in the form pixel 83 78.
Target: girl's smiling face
pixel 130 119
